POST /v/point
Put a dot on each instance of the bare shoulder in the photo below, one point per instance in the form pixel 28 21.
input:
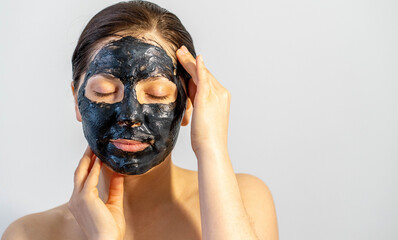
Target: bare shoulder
pixel 253 187
pixel 50 224
pixel 259 204
pixel 257 200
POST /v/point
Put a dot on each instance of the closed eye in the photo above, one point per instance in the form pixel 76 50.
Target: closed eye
pixel 157 97
pixel 98 94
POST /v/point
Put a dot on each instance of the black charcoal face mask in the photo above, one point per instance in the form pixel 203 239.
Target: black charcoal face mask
pixel 131 60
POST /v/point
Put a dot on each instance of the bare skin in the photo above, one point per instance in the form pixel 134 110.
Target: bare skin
pixel 164 202
pixel 184 215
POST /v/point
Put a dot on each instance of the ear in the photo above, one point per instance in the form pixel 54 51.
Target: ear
pixel 78 115
pixel 187 114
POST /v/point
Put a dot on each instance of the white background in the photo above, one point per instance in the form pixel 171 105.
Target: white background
pixel 314 106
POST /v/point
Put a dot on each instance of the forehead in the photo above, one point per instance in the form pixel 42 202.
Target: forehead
pixel 131 57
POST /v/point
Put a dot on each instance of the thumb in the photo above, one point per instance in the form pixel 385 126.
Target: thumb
pixel 116 190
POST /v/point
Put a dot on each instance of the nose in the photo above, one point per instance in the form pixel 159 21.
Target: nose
pixel 130 113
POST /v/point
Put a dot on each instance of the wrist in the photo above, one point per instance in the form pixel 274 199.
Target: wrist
pixel 211 151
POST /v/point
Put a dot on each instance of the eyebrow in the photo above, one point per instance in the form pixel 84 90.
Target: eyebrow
pixel 107 76
pixel 155 78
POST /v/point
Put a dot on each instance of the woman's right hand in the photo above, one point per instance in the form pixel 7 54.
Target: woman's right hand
pixel 98 220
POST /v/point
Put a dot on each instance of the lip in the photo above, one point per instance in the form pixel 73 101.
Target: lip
pixel 128 145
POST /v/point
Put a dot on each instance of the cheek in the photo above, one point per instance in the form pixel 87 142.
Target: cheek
pixel 98 118
pixel 160 118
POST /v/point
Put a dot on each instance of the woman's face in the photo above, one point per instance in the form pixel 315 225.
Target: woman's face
pixel 131 103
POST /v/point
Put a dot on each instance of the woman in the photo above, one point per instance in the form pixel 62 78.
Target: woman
pixel 136 80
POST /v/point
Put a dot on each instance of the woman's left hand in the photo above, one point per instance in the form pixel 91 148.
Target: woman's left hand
pixel 211 101
pixel 223 214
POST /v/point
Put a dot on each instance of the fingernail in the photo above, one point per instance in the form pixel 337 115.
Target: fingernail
pixel 184 49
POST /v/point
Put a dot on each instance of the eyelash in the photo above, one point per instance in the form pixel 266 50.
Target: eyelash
pixel 151 96
pixel 103 94
pixel 157 97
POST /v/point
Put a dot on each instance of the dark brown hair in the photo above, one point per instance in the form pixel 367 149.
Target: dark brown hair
pixel 134 17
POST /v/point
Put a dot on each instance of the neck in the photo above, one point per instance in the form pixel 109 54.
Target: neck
pixel 146 191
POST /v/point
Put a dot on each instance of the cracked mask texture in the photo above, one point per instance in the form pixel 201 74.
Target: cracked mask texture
pixel 131 60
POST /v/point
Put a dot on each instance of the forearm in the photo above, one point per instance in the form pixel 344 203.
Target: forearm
pixel 223 214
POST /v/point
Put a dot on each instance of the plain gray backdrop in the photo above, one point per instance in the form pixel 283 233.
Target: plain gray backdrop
pixel 313 114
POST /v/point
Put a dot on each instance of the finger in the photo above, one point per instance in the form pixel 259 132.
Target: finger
pixel 211 79
pixel 92 179
pixel 192 90
pixel 93 157
pixel 116 190
pixel 187 61
pixel 203 85
pixel 81 170
pixel 92 161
